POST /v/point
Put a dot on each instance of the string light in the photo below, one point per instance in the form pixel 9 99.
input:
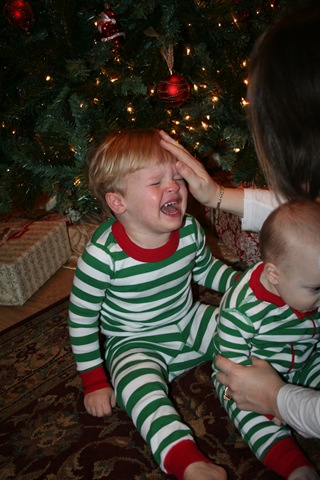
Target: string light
pixel 235 21
pixel 130 110
pixel 244 102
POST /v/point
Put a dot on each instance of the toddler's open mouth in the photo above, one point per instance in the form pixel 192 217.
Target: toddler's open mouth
pixel 169 208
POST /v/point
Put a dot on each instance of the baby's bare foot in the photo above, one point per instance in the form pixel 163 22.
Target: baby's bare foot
pixel 204 471
pixel 304 473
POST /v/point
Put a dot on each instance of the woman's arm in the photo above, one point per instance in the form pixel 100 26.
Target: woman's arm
pixel 257 205
pixel 300 408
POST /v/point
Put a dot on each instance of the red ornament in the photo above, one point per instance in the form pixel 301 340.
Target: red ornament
pixel 19 13
pixel 108 29
pixel 174 90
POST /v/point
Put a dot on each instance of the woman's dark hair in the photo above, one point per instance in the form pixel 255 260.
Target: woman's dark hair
pixel 284 103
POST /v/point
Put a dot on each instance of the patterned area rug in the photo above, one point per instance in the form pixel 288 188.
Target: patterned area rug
pixel 47 434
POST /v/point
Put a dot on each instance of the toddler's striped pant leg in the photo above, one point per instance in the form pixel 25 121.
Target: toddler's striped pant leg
pixel 140 380
pixel 197 337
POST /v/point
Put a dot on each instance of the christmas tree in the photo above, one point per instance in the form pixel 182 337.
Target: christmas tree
pixel 74 70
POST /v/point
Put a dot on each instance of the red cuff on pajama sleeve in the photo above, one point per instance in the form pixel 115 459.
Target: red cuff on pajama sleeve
pixel 93 380
pixel 180 456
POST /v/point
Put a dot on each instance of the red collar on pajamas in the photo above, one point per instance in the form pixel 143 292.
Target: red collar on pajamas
pixel 264 295
pixel 145 254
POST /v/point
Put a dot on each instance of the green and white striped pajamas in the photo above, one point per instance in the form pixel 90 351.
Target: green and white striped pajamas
pixel 142 301
pixel 141 369
pixel 253 321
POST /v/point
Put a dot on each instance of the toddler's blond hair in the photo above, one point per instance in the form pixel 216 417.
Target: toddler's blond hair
pixel 120 154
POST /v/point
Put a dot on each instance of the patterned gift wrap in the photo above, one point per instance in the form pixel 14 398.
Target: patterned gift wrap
pixel 30 254
pixel 245 245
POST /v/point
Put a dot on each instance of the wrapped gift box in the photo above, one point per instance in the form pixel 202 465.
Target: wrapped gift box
pixel 29 257
pixel 245 245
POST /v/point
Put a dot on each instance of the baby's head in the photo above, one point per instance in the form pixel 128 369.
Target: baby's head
pixel 288 229
pixel 120 154
pixel 290 250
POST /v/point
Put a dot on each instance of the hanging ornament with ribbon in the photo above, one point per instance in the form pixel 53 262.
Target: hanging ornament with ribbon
pixel 174 90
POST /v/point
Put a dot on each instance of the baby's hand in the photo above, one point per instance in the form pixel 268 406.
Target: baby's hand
pixel 100 402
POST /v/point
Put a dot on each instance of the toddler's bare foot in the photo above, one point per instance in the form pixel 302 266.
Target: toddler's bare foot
pixel 204 471
pixel 304 473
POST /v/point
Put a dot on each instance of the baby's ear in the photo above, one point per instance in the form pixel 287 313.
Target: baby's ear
pixel 115 202
pixel 272 273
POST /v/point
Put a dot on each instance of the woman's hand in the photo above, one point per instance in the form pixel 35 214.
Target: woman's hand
pixel 201 185
pixel 253 388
